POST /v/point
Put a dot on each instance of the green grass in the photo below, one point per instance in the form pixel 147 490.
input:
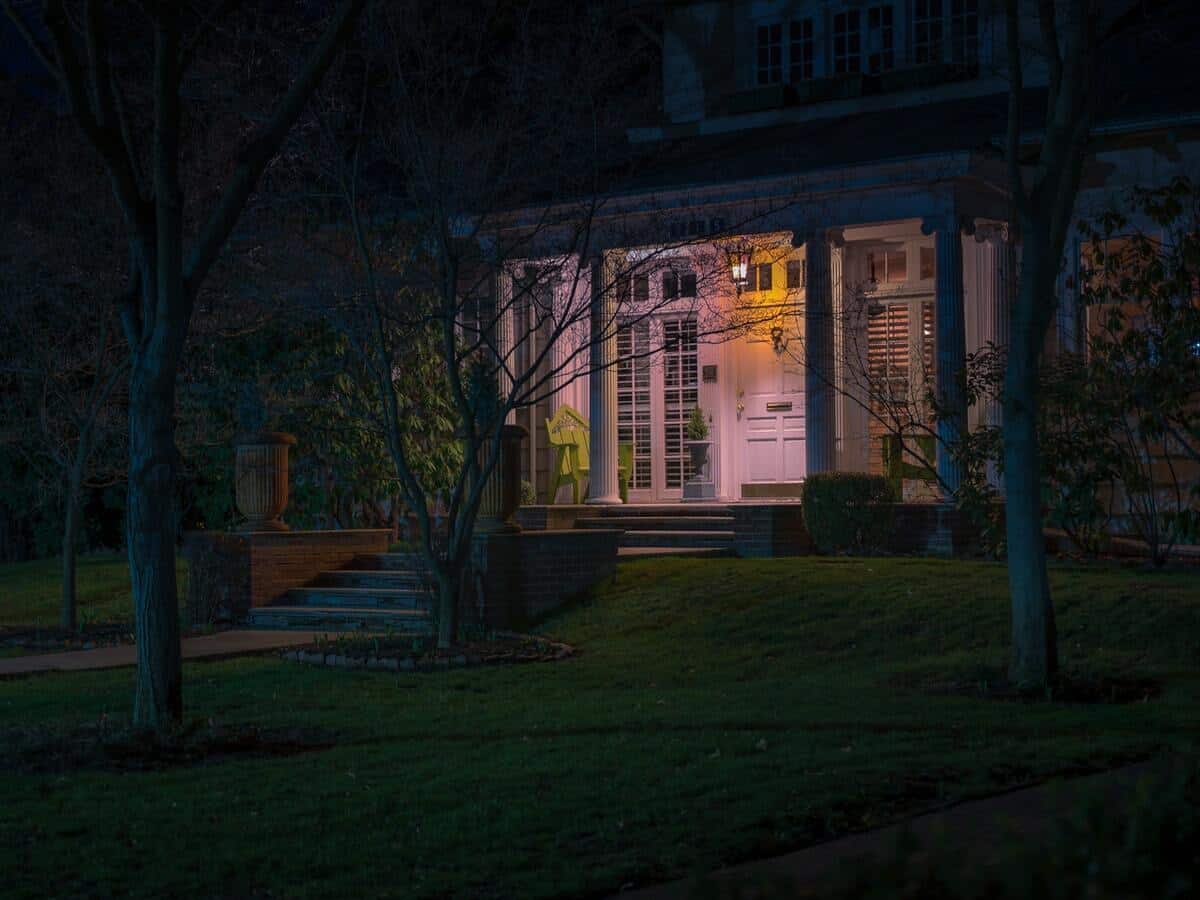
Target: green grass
pixel 718 710
pixel 29 591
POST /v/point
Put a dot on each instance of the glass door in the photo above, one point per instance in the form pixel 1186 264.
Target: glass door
pixel 679 393
pixel 634 424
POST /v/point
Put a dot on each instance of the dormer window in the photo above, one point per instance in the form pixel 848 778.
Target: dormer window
pixel 933 19
pixel 847 42
pixel 770 53
pixel 881 40
pixel 802 52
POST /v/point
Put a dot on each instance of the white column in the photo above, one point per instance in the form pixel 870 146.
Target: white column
pixel 505 339
pixel 998 282
pixel 820 390
pixel 602 388
pixel 951 339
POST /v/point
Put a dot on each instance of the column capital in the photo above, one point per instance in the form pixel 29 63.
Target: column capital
pixel 833 235
pixel 947 221
pixel 988 231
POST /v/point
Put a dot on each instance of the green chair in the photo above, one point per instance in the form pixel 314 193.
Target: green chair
pixel 567 432
pixel 896 469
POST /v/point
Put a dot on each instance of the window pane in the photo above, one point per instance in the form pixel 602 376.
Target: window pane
pixel 897 265
pixel 764 277
pixel 926 262
pixel 795 274
pixel 687 284
pixel 670 285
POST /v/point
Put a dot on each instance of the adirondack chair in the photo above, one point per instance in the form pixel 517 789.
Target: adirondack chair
pixel 897 469
pixel 567 431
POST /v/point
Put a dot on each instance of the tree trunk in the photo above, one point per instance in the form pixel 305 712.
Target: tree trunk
pixel 449 584
pixel 150 528
pixel 1034 658
pixel 68 611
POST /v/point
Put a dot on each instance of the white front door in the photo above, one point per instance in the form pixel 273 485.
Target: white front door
pixel 771 410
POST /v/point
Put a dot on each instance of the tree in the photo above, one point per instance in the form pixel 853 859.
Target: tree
pixel 476 154
pixel 101 58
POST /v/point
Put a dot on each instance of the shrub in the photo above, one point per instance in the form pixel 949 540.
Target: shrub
pixel 528 494
pixel 697 428
pixel 843 511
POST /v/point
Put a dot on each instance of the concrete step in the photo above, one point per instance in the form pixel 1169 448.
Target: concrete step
pixel 367 598
pixel 319 618
pixel 387 579
pixel 674 510
pixel 722 539
pixel 660 523
pixel 390 562
pixel 655 552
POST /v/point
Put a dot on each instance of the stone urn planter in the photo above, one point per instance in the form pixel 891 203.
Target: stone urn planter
pixel 261 479
pixel 698 450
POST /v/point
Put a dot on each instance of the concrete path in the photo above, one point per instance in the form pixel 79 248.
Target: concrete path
pixel 973 830
pixel 209 646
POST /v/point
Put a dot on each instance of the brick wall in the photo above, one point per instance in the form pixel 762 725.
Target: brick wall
pixel 553 518
pixel 931 529
pixel 770 529
pixel 229 573
pixel 531 573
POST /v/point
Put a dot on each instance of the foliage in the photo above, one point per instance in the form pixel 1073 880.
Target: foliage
pixel 528 494
pixel 719 710
pixel 697 426
pixel 844 512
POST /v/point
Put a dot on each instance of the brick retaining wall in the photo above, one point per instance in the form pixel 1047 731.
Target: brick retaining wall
pixel 532 573
pixel 229 573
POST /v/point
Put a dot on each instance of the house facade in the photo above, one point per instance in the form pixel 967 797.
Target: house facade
pixel 820 242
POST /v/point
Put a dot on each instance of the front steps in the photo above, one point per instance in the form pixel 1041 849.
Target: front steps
pixel 386 592
pixel 702 529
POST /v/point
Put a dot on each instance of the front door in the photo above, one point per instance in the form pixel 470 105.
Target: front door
pixel 771 414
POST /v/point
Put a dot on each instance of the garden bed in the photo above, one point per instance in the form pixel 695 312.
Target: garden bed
pixel 400 654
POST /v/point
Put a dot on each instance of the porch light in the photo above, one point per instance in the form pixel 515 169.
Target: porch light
pixel 739 267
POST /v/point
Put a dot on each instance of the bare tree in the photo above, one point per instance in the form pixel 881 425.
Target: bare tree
pixel 490 135
pixel 95 54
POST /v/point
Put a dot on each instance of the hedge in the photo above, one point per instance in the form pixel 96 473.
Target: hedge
pixel 846 512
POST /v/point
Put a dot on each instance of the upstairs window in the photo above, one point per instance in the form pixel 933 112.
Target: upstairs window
pixel 795 274
pixel 770 53
pixel 847 42
pixel 964 32
pixel 887 266
pixel 945 31
pixel 801 49
pixel 881 43
pixel 927 31
pixel 678 284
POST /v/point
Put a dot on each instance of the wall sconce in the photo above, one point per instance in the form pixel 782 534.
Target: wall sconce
pixel 739 268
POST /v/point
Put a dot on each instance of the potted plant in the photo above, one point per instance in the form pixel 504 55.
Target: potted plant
pixel 698 443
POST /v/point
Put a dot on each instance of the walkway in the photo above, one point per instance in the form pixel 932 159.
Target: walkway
pixel 974 829
pixel 209 646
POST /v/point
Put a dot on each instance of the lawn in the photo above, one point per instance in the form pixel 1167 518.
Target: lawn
pixel 29 591
pixel 718 710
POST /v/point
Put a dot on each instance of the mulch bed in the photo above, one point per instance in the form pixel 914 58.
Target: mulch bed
pixel 105 747
pixel 397 654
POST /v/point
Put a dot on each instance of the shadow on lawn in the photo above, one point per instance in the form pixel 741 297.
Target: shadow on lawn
pixel 102 747
pixel 990 683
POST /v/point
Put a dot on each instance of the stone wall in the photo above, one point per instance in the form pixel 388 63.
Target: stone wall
pixel 931 529
pixel 529 574
pixel 229 573
pixel 557 517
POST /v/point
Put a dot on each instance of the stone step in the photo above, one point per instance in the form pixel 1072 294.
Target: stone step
pixel 387 579
pixel 722 539
pixel 660 523
pixel 655 552
pixel 674 510
pixel 367 598
pixel 318 618
pixel 391 562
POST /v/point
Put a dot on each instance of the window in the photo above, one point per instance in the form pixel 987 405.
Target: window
pixel 795 274
pixel 887 266
pixel 927 268
pixel 881 53
pixel 678 284
pixel 847 42
pixel 633 398
pixel 964 32
pixel 770 53
pixel 641 289
pixel 927 31
pixel 763 273
pixel 801 52
pixel 681 387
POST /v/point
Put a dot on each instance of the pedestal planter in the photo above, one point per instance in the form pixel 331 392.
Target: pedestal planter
pixel 702 485
pixel 261 479
pixel 502 494
pixel 698 450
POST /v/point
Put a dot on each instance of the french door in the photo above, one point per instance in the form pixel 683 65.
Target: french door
pixel 658 385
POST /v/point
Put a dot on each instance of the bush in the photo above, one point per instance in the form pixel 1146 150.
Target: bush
pixel 843 512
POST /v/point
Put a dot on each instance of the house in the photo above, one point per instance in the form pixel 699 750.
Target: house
pixel 820 242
